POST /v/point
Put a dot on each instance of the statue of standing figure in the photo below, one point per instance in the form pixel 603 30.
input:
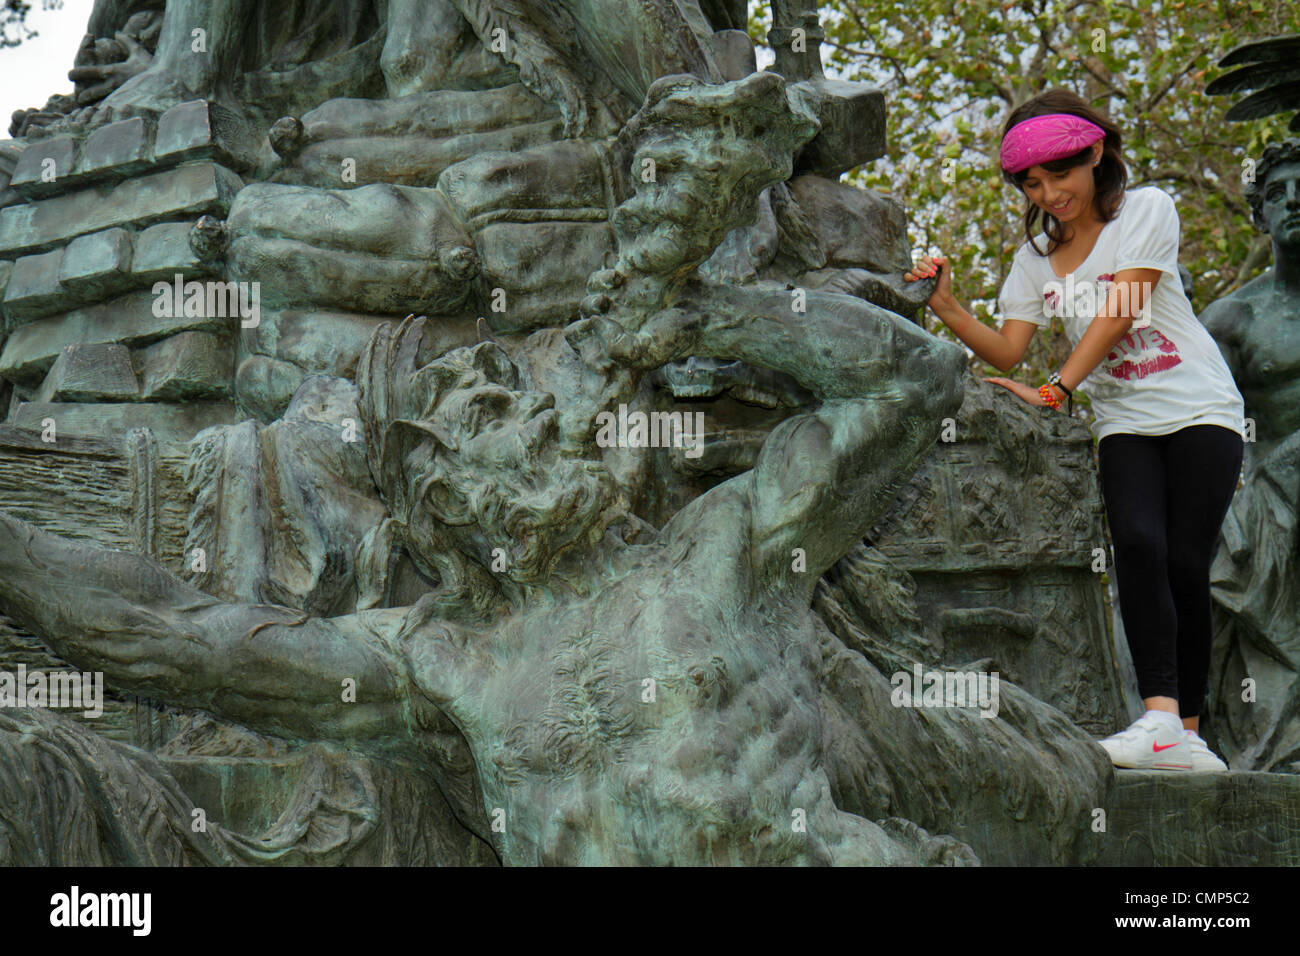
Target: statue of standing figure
pixel 1256 572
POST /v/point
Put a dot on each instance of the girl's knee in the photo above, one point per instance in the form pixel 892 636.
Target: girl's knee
pixel 1140 548
pixel 1188 569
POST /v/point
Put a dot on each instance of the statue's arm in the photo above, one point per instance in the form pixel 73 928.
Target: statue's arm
pixel 822 479
pixel 1224 318
pixel 270 668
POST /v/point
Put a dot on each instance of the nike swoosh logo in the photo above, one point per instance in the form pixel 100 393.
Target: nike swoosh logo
pixel 1156 748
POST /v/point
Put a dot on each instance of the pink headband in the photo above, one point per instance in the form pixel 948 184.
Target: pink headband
pixel 1043 138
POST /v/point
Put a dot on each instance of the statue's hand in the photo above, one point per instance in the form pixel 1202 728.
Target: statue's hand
pixel 108 77
pixel 151 92
pixel 666 335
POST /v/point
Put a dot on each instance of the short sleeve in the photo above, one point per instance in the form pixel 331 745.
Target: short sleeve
pixel 1021 299
pixel 1148 236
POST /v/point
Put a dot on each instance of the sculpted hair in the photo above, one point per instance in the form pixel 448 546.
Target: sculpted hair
pixel 407 450
pixel 1110 174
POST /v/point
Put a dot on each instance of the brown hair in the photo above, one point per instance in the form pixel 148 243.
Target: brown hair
pixel 1110 174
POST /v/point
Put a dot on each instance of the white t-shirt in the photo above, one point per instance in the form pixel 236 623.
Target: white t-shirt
pixel 1167 372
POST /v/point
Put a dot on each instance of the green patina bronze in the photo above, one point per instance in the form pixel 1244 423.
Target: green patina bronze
pixel 367 589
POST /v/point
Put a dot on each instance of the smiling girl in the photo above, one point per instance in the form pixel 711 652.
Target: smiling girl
pixel 1169 417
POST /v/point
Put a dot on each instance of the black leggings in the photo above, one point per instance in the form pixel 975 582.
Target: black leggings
pixel 1166 497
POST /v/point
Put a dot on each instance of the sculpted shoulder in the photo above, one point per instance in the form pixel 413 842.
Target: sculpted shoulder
pixel 714 531
pixel 1227 318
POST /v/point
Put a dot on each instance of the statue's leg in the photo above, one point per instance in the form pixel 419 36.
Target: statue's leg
pixel 427 40
pixel 199 42
pixel 377 248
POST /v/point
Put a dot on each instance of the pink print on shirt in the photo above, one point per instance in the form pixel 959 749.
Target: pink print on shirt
pixel 1140 353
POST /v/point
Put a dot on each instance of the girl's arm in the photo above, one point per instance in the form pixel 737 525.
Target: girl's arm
pixel 1128 295
pixel 1147 248
pixel 1003 349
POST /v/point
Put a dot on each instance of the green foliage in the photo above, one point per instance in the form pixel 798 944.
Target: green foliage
pixel 953 69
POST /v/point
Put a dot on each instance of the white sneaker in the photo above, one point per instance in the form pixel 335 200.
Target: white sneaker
pixel 1203 758
pixel 1149 743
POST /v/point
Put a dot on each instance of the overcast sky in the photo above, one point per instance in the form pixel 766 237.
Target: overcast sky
pixel 37 68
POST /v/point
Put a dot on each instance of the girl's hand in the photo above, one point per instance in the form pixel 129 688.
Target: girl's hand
pixel 927 267
pixel 1028 393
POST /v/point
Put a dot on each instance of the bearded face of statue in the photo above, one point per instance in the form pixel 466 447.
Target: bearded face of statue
pixel 499 487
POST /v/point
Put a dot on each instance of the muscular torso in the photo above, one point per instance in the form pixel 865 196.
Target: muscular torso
pixel 1261 326
pixel 653 705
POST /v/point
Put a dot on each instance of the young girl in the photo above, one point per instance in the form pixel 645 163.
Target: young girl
pixel 1169 417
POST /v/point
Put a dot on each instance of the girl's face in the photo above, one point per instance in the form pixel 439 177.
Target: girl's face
pixel 1064 195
